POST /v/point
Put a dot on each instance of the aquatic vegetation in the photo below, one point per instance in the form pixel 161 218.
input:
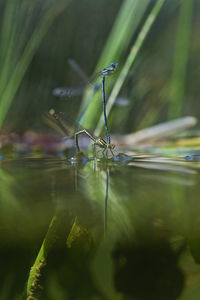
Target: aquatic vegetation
pixel 130 59
pixel 16 54
pixel 115 226
pixel 58 229
pixel 181 57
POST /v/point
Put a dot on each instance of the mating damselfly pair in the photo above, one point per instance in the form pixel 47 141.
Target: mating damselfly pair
pixel 68 92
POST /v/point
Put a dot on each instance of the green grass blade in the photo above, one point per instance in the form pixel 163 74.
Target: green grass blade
pixel 125 26
pixel 177 85
pixel 7 54
pixel 7 28
pixel 7 95
pixel 130 60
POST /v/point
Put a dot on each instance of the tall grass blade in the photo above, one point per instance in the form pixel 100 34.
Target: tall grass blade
pixel 8 41
pixel 130 60
pixel 122 32
pixel 177 85
pixel 12 78
pixel 125 26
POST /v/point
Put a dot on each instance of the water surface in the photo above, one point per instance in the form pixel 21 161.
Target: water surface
pixel 127 229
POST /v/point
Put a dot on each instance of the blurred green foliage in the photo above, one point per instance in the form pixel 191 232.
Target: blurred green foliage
pixel 92 33
pixel 36 40
pixel 181 59
pixel 95 34
pixel 24 24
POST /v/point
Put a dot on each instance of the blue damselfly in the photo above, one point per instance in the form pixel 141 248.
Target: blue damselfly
pixel 69 92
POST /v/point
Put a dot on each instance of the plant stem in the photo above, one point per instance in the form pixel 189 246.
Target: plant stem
pixel 177 86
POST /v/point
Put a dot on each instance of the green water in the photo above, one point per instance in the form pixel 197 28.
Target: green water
pixel 109 231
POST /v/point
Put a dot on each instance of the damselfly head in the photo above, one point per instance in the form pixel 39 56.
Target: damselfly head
pixel 114 65
pixel 109 70
pixel 53 114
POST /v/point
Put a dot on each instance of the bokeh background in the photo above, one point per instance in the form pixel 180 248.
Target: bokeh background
pixel 161 84
pixel 156 209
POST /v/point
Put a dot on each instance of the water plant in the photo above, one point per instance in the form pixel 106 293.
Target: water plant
pixel 17 53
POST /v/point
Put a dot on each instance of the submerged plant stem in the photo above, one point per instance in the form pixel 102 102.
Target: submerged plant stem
pixel 56 234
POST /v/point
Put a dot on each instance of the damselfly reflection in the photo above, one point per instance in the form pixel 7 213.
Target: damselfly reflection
pixel 99 142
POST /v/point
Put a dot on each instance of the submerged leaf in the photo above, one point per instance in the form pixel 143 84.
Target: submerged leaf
pixel 80 234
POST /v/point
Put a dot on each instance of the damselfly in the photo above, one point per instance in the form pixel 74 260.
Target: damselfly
pixel 67 92
pixel 100 142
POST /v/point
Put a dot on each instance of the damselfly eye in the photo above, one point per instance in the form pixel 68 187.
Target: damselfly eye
pixel 114 65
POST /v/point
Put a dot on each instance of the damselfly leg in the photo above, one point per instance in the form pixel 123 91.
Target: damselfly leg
pixel 97 142
pixel 58 120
